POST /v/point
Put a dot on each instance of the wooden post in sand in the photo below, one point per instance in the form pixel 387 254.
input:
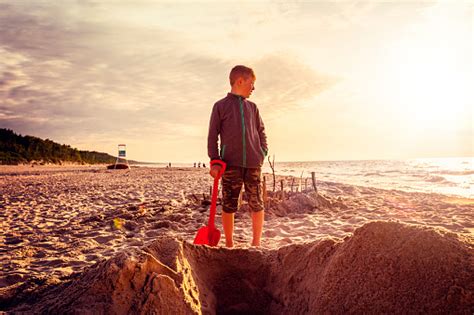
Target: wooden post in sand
pixel 282 193
pixel 292 182
pixel 265 197
pixel 272 165
pixel 241 196
pixel 306 183
pixel 299 185
pixel 313 177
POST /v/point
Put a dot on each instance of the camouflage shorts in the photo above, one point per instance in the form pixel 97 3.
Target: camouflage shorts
pixel 232 181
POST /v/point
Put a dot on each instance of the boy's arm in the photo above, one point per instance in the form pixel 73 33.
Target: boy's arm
pixel 214 130
pixel 261 133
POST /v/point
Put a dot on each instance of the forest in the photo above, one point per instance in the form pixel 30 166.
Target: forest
pixel 17 149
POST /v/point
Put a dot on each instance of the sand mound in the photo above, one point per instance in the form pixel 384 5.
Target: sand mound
pixel 132 282
pixel 385 267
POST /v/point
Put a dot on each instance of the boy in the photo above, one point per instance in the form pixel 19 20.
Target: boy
pixel 243 146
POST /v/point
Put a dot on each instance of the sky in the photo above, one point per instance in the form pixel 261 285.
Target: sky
pixel 336 80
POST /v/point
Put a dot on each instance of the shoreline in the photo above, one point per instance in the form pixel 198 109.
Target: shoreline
pixel 13 170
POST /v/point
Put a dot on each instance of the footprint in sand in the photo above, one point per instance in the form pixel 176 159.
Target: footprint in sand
pixel 26 232
pixel 40 254
pixel 46 245
pixel 74 263
pixel 269 233
pixel 135 242
pixel 92 257
pixel 153 233
pixel 104 239
pixel 12 279
pixel 13 241
pixel 304 224
pixel 54 263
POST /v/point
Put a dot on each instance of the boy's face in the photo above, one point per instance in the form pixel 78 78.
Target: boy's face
pixel 247 86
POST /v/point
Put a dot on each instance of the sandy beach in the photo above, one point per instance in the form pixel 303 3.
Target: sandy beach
pixel 83 239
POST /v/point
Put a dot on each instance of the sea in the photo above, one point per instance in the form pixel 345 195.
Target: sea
pixel 448 176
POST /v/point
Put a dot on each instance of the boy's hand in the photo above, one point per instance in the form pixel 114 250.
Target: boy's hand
pixel 215 169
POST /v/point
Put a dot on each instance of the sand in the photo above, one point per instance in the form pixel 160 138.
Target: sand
pixel 86 239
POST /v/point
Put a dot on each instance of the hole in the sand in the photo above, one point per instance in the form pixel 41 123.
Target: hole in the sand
pixel 230 281
pixel 239 294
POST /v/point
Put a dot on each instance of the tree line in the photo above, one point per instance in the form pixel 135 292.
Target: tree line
pixel 18 149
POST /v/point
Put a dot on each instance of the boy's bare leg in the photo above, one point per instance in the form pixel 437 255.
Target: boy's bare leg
pixel 257 226
pixel 228 223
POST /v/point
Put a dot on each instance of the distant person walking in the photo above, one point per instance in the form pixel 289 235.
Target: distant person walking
pixel 243 146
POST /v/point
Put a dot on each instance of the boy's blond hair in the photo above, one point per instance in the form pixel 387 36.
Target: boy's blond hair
pixel 240 72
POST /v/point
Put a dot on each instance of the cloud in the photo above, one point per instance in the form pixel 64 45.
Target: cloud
pixel 85 78
pixel 72 76
pixel 284 83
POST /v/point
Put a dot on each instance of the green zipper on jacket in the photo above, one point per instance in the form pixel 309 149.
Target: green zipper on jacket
pixel 223 151
pixel 244 155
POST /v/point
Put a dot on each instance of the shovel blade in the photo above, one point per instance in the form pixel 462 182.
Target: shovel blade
pixel 207 236
pixel 214 237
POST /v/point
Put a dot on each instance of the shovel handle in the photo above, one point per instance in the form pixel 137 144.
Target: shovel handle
pixel 215 190
pixel 222 164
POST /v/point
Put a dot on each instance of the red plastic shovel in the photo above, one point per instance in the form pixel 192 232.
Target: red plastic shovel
pixel 209 235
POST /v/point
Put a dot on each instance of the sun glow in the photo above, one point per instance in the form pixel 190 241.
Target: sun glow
pixel 428 90
pixel 429 72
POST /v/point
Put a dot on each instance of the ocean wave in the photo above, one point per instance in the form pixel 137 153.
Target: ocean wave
pixel 417 176
pixel 435 179
pixel 373 174
pixel 459 173
pixel 439 180
pixel 383 173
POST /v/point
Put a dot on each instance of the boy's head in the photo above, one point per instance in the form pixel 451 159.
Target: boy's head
pixel 242 80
